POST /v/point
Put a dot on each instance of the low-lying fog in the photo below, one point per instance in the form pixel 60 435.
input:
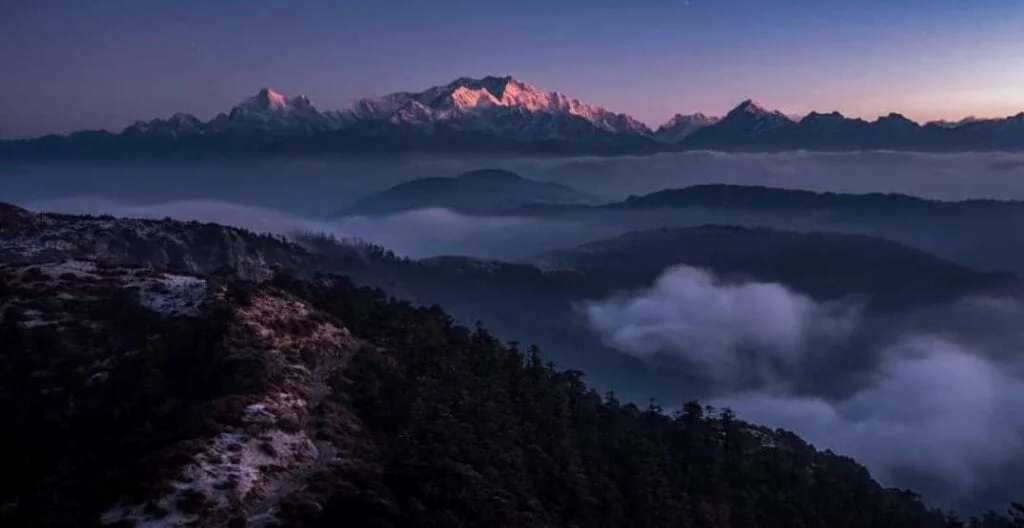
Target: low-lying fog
pixel 316 187
pixel 414 234
pixel 924 404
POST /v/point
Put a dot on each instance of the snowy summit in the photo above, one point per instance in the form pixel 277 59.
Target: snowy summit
pixel 488 103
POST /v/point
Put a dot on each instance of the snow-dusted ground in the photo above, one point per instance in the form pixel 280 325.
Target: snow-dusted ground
pixel 245 470
pixel 28 247
pixel 173 294
pixel 765 440
pixel 235 468
pixel 72 282
pixel 166 293
pixel 81 269
pixel 269 451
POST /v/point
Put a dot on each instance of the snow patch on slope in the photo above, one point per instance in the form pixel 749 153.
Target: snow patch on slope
pixel 79 269
pixel 173 294
pixel 165 293
pixel 245 470
pixel 235 467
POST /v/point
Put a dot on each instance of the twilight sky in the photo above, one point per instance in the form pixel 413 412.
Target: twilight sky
pixel 74 64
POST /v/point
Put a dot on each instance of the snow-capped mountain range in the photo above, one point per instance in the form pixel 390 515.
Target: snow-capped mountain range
pixel 505 114
pixel 483 103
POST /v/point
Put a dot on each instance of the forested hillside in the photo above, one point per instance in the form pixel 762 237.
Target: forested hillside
pixel 473 432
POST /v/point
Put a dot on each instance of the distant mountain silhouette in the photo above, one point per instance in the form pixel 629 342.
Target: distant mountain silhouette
pixel 500 114
pixel 759 197
pixel 742 126
pixel 823 265
pixel 752 127
pixel 484 191
pixel 971 232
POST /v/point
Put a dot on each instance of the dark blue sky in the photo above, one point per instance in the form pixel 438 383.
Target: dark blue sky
pixel 72 64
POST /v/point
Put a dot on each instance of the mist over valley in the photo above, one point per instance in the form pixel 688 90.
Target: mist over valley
pixel 879 326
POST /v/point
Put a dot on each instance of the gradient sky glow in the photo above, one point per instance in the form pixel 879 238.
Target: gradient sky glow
pixel 75 64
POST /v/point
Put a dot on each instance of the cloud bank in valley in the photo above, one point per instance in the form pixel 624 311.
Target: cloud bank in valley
pixel 415 234
pixel 935 407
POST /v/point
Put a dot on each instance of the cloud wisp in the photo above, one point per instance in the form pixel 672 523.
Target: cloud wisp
pixel 415 234
pixel 728 331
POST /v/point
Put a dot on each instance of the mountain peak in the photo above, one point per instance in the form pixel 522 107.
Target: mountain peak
pixel 272 110
pixel 497 105
pixel 271 99
pixel 268 99
pixel 264 100
pixel 698 117
pixel 492 89
pixel 753 109
pixel 493 84
pixel 682 126
pixel 751 106
pixel 894 116
pixel 820 117
pixel 895 119
pixel 743 124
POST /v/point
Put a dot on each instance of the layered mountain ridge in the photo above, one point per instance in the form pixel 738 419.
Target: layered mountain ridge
pixel 500 114
pixel 967 231
pixel 478 192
